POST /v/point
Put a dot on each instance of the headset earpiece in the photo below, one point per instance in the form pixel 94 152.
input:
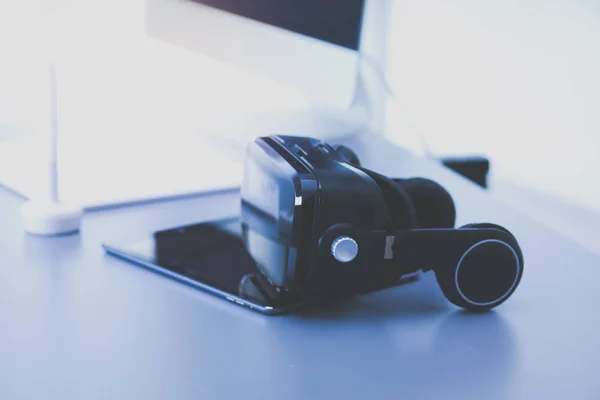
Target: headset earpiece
pixel 400 205
pixel 477 267
pixel 433 204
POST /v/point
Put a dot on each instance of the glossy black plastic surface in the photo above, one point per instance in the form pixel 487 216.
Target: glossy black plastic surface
pixel 378 214
pixel 341 194
pixel 212 256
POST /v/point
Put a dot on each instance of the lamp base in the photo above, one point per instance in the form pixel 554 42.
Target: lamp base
pixel 49 219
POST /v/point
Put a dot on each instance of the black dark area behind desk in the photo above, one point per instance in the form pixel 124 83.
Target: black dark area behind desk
pixel 475 169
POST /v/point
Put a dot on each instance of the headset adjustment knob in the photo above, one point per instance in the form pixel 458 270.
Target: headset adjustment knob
pixel 344 249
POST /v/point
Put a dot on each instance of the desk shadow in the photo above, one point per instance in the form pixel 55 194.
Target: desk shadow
pixel 419 297
pixel 466 355
pixel 455 355
pixel 51 250
pixel 472 356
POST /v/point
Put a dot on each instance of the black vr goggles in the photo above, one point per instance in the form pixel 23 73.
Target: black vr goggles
pixel 322 226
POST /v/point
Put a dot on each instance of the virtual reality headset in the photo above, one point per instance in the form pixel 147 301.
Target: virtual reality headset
pixel 320 225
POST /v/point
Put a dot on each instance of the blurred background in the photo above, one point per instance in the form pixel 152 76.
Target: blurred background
pixel 516 82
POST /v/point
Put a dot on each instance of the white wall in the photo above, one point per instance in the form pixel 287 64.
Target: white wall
pixel 518 81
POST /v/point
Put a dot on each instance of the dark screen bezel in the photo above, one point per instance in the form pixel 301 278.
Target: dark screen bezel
pixel 268 310
pixel 116 251
pixel 348 38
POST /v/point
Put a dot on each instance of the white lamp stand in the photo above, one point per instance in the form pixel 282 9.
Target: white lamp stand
pixel 49 216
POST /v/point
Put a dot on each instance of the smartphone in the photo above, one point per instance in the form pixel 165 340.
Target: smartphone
pixel 210 256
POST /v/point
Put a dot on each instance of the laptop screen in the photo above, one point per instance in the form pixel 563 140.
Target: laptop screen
pixel 333 21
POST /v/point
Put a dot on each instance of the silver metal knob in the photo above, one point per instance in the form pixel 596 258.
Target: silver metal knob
pixel 344 249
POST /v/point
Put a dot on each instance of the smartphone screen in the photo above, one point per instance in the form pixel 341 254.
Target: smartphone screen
pixel 210 256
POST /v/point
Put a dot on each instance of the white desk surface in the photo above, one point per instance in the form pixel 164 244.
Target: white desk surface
pixel 76 323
